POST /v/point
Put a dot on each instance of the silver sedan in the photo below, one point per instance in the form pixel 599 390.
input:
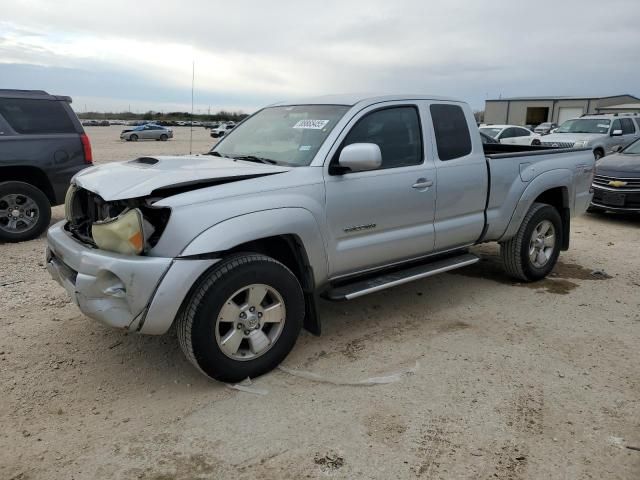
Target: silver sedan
pixel 147 132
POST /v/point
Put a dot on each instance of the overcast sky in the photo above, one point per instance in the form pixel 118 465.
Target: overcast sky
pixel 111 54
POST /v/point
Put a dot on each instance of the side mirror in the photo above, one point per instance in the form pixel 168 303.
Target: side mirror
pixel 616 133
pixel 360 157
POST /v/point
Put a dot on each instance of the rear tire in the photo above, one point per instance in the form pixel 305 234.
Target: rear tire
pixel 598 154
pixel 533 252
pixel 25 212
pixel 227 334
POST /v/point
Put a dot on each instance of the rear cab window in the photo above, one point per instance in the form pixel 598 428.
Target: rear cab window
pixel 452 136
pixel 31 116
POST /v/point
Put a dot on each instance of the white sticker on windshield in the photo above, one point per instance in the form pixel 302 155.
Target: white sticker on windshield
pixel 304 148
pixel 312 124
pixel 603 126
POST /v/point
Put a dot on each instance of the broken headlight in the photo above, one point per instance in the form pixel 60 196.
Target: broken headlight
pixel 126 234
pixel 68 200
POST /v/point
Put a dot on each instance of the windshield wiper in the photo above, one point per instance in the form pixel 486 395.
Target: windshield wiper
pixel 253 158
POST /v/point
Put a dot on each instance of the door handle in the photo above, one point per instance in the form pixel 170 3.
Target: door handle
pixel 422 183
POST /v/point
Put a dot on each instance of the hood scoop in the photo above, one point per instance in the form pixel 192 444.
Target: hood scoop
pixel 144 161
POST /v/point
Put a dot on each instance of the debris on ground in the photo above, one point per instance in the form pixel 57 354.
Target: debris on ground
pixel 247 386
pixel 328 462
pixel 600 274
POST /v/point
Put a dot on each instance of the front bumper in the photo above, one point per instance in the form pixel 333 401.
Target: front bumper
pixel 616 200
pixel 136 293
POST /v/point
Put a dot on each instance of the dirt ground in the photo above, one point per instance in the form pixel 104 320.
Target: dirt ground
pixel 498 379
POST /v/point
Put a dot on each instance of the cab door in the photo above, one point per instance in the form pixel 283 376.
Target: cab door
pixel 381 216
pixel 463 180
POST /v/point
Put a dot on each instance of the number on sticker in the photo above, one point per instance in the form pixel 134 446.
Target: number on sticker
pixel 311 124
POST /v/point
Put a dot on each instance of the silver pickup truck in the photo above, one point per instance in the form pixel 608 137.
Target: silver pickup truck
pixel 333 197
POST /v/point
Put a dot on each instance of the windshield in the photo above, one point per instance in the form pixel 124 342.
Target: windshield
pixel 288 135
pixel 585 125
pixel 633 149
pixel 492 132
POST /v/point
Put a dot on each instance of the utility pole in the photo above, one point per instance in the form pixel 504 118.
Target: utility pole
pixel 193 77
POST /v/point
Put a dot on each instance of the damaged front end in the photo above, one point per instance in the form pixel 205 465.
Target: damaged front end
pixel 128 227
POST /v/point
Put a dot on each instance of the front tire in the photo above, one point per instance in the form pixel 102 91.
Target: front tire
pixel 133 138
pixel 163 137
pixel 533 252
pixel 25 211
pixel 242 318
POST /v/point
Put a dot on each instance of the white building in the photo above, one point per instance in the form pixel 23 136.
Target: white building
pixel 535 110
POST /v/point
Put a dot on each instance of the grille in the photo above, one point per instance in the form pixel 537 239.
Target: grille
pixel 559 144
pixel 632 184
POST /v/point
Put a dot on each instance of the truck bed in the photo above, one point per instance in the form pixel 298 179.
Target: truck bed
pixel 501 148
pixel 529 165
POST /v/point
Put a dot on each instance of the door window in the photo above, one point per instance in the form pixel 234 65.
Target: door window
pixel 452 132
pixel 395 130
pixel 627 126
pixel 616 126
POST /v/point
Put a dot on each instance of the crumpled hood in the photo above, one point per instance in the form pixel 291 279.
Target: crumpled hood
pixel 571 137
pixel 142 176
pixel 619 165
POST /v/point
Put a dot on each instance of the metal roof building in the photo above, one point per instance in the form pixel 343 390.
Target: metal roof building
pixel 623 108
pixel 535 110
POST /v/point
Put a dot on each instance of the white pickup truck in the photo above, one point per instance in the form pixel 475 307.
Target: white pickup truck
pixel 337 196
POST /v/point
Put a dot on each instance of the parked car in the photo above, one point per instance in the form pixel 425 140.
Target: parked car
pixel 486 139
pixel 147 132
pixel 545 128
pixel 601 133
pixel 511 134
pixel 42 145
pixel 222 130
pixel 617 182
pixel 338 196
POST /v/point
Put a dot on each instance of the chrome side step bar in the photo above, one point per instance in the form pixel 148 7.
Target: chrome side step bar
pixel 387 280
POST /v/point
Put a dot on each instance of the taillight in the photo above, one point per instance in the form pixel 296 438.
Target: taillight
pixel 86 147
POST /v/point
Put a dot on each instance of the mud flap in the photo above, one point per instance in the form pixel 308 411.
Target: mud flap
pixel 565 214
pixel 311 318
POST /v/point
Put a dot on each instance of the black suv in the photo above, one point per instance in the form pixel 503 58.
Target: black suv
pixel 42 145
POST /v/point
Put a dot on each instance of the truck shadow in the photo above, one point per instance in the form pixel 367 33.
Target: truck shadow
pixel 490 267
pixel 350 329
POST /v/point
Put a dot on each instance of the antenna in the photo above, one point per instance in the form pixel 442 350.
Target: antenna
pixel 193 76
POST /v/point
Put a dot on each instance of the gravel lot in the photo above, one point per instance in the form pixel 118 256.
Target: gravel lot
pixel 499 380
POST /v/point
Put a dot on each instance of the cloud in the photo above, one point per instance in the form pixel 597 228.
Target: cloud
pixel 251 53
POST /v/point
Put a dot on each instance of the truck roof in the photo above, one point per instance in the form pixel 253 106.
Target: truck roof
pixel 32 94
pixel 354 98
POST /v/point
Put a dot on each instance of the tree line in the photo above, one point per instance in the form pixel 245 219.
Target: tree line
pixel 222 115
